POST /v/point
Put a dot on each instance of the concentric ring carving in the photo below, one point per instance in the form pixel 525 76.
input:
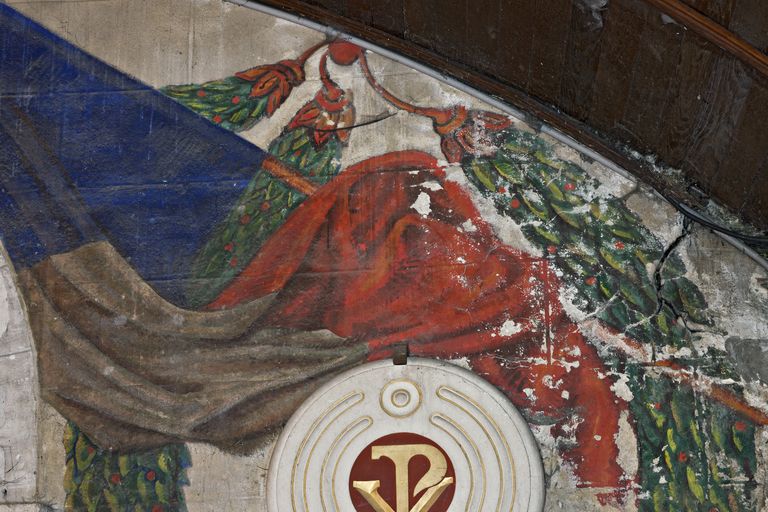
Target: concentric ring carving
pixel 400 398
pixel 495 459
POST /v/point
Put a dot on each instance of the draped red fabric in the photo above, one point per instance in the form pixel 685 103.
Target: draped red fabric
pixel 393 252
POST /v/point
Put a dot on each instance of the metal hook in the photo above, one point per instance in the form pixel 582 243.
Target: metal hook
pixel 400 357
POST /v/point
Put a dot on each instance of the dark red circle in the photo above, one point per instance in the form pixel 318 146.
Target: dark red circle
pixel 366 468
pixel 344 53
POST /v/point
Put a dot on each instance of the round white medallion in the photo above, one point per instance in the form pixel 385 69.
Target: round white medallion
pixel 427 436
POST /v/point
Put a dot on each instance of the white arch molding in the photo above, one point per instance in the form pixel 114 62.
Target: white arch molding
pixel 493 453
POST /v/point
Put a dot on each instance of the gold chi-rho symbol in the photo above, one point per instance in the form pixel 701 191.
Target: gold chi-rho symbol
pixel 434 480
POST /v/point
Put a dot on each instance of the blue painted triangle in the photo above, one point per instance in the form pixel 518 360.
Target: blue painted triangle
pixel 89 153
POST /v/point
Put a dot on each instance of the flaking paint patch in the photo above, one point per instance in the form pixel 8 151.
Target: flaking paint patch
pixel 510 328
pixel 422 204
pixel 431 185
pixel 621 389
pixel 503 227
pixel 761 437
pixel 626 440
pixel 5 315
pixel 462 362
pixel 469 226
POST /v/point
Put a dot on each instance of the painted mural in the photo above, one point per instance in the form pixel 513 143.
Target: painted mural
pixel 185 286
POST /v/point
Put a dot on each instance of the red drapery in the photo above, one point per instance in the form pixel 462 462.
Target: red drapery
pixel 364 259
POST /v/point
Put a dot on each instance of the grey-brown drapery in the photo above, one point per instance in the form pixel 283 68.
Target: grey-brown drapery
pixel 133 371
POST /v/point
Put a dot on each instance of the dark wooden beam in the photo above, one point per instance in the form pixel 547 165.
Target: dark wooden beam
pixel 713 32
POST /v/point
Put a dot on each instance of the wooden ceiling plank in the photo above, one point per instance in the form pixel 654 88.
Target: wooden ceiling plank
pixel 359 10
pixel 754 204
pixel 750 21
pixel 385 15
pixel 418 23
pixel 334 5
pixel 684 100
pixel 722 106
pixel 652 83
pixel 551 26
pixel 484 35
pixel 745 170
pixel 618 53
pixel 718 11
pixel 513 57
pixel 442 24
pixel 581 60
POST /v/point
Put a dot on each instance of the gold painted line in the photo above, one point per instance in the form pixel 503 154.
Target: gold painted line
pixel 336 465
pixel 312 451
pixel 305 440
pixel 317 440
pixel 469 441
pixel 485 431
pixel 498 433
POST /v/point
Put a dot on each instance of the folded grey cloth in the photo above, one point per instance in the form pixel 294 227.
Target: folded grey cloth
pixel 134 371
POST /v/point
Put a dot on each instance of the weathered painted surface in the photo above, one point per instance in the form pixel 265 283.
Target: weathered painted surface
pixel 18 395
pixel 186 290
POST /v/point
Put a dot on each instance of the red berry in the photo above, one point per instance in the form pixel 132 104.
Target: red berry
pixel 233 262
pixel 236 100
pixel 157 508
pixel 265 206
pixel 343 52
pixel 245 219
pixel 501 190
pixel 515 203
pixel 229 247
pixel 740 426
pixel 657 406
pixel 591 280
pixel 201 93
pixel 551 249
pixel 217 119
pixel 151 475
pixel 682 457
pixel 569 186
pixel 115 478
pixel 619 245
